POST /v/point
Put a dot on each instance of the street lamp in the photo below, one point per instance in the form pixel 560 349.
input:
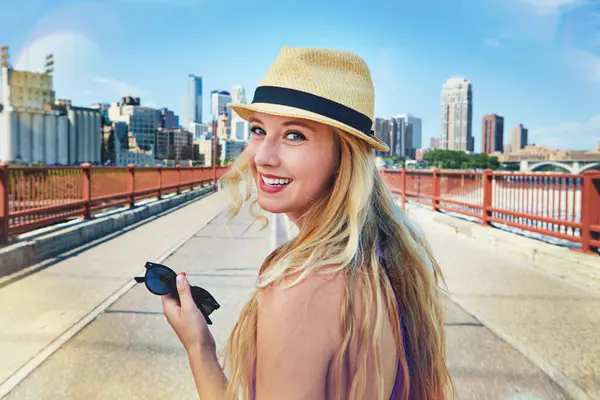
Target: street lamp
pixel 214 134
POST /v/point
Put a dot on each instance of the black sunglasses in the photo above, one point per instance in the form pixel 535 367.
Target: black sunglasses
pixel 160 280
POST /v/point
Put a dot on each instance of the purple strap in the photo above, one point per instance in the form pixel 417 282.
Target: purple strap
pixel 399 382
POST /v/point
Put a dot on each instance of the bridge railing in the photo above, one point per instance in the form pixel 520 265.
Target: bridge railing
pixel 34 197
pixel 561 206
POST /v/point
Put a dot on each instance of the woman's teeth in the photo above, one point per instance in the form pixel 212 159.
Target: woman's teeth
pixel 275 182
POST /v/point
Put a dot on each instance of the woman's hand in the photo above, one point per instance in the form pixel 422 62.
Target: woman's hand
pixel 187 321
pixel 189 324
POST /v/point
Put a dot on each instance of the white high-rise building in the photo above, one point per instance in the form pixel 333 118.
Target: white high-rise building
pixel 240 129
pixel 518 137
pixel 417 134
pixel 218 102
pixel 200 131
pixel 36 128
pixel 457 115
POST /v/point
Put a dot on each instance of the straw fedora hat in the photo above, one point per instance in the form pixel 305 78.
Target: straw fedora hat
pixel 328 86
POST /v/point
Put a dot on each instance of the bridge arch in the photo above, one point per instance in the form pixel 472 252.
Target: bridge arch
pixel 587 167
pixel 565 168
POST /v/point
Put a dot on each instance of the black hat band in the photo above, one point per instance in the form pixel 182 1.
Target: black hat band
pixel 313 103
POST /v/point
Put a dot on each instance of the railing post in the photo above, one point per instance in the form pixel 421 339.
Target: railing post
pixel 215 181
pixel 131 184
pixel 193 173
pixel 86 188
pixel 487 197
pixel 178 167
pixel 590 210
pixel 403 188
pixel 159 180
pixel 435 201
pixel 4 203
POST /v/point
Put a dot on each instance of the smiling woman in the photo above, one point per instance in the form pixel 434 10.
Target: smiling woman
pixel 350 307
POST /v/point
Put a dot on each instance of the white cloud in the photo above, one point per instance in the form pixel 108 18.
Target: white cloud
pixel 165 2
pixel 552 6
pixel 76 57
pixel 568 135
pixel 587 62
pixel 120 88
pixel 492 42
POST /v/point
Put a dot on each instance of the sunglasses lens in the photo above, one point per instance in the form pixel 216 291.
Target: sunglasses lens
pixel 160 280
pixel 206 300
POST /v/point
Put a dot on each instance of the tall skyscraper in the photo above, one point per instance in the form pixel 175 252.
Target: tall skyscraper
pixel 402 137
pixel 238 95
pixel 518 138
pixel 417 134
pixel 193 101
pixel 382 131
pixel 492 133
pixel 457 115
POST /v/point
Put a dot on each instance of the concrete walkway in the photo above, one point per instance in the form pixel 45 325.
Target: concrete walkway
pixel 551 318
pixel 129 350
pixel 40 311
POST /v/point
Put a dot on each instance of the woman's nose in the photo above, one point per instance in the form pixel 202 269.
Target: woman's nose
pixel 267 154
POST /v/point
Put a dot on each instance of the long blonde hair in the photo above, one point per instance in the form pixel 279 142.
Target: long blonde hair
pixel 346 227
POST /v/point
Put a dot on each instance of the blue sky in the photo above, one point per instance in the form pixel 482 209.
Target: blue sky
pixel 535 62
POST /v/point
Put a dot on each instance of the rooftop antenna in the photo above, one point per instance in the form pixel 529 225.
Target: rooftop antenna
pixel 49 64
pixel 4 56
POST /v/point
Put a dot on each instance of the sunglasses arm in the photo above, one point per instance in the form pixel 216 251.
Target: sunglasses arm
pixel 140 279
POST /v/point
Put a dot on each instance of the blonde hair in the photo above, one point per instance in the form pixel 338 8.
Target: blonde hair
pixel 345 228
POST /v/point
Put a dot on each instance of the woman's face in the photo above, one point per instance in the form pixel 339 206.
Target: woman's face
pixel 292 160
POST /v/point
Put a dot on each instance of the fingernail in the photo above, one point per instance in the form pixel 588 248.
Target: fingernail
pixel 180 280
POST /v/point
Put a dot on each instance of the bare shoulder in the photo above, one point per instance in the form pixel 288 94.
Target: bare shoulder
pixel 298 333
pixel 316 300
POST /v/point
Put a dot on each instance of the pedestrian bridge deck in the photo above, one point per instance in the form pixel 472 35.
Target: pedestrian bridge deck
pixel 80 329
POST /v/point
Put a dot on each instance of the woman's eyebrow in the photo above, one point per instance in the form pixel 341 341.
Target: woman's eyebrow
pixel 254 119
pixel 298 123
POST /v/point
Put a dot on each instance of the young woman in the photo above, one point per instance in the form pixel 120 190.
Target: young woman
pixel 350 307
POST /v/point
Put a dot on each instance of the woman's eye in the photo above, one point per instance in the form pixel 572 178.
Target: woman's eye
pixel 257 131
pixel 295 136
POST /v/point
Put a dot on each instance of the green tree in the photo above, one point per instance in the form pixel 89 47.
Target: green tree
pixel 450 159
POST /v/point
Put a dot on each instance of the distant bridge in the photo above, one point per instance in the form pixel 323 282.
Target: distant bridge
pixel 571 167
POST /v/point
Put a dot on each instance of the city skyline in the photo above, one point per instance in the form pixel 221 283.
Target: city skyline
pixel 518 76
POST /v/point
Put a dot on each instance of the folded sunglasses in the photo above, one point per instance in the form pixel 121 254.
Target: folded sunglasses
pixel 160 280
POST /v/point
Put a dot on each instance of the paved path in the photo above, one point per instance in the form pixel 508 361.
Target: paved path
pixel 129 351
pixel 549 317
pixel 37 309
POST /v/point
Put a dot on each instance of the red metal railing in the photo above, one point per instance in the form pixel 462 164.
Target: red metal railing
pixel 561 206
pixel 33 197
